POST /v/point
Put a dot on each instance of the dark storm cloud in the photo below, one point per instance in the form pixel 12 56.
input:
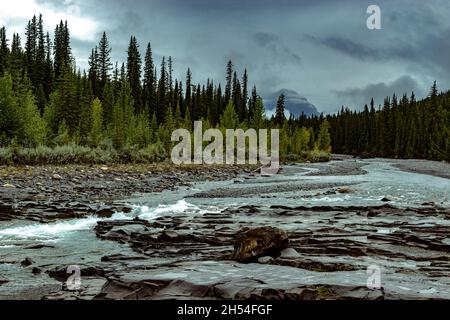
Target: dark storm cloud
pixel 274 44
pixel 358 97
pixel 268 38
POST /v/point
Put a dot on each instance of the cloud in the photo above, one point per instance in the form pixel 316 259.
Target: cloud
pixel 273 44
pixel 295 103
pixel 14 13
pixel 358 97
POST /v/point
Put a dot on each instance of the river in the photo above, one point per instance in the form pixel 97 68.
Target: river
pixel 410 247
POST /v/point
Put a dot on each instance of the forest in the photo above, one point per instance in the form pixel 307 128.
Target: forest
pixel 400 128
pixel 52 112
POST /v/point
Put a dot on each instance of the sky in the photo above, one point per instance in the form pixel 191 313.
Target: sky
pixel 320 49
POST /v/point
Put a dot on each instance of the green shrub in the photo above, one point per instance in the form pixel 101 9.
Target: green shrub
pixel 5 156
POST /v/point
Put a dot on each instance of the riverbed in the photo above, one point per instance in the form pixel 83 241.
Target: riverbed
pixel 344 219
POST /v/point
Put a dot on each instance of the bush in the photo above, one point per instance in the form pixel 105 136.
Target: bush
pixel 5 156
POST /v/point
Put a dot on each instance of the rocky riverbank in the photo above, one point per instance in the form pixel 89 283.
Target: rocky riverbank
pixel 312 232
pixel 50 193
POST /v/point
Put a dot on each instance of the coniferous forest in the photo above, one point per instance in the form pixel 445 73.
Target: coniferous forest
pixel 52 112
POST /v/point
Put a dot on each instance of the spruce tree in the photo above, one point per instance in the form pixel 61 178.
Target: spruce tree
pixel 149 82
pixel 104 64
pixel 280 117
pixel 228 87
pixel 134 73
pixel 4 51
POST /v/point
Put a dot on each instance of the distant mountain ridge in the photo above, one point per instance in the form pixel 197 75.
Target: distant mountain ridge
pixel 296 104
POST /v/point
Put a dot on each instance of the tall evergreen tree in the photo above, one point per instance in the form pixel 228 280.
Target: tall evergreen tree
pixel 62 50
pixel 134 73
pixel 4 51
pixel 280 117
pixel 103 63
pixel 149 86
pixel 228 87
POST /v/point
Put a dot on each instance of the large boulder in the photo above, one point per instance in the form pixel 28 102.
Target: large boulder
pixel 252 244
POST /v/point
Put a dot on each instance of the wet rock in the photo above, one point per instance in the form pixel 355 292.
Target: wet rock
pixel 252 244
pixel 6 212
pixel 387 199
pixel 289 253
pixel 36 271
pixel 266 260
pixel 37 246
pixel 104 212
pixel 121 257
pixel 61 273
pixel 26 263
pixel 345 190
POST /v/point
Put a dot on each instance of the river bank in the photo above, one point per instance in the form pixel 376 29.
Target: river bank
pixel 176 240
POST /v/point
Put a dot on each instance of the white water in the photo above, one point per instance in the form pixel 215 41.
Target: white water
pixel 53 232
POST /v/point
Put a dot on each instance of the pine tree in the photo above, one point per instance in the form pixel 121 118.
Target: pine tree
pixel 62 50
pixel 228 87
pixel 103 63
pixel 245 93
pixel 9 115
pixel 324 138
pixel 4 51
pixel 188 96
pixel 163 105
pixel 280 117
pixel 149 83
pixel 229 119
pixel 134 73
pixel 257 121
pixel 94 72
pixel 95 135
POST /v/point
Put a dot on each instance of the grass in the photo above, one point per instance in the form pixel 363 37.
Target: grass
pixel 309 156
pixel 76 154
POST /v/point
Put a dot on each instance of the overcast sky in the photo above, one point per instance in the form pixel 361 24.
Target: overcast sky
pixel 321 49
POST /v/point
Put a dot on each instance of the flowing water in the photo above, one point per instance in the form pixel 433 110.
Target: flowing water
pixel 74 242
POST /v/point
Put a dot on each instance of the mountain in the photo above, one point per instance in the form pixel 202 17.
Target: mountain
pixel 296 104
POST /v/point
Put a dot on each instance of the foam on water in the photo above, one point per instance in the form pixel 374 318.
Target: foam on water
pixel 182 206
pixel 53 231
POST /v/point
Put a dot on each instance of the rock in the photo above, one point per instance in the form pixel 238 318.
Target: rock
pixel 289 253
pixel 104 168
pixel 57 177
pixel 104 212
pixel 61 274
pixel 265 260
pixel 37 247
pixel 36 271
pixel 9 186
pixel 252 244
pixel 429 204
pixel 387 199
pixel 26 263
pixel 6 211
pixel 345 190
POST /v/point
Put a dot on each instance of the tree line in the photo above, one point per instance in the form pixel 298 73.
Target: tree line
pixel 46 100
pixel 400 128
